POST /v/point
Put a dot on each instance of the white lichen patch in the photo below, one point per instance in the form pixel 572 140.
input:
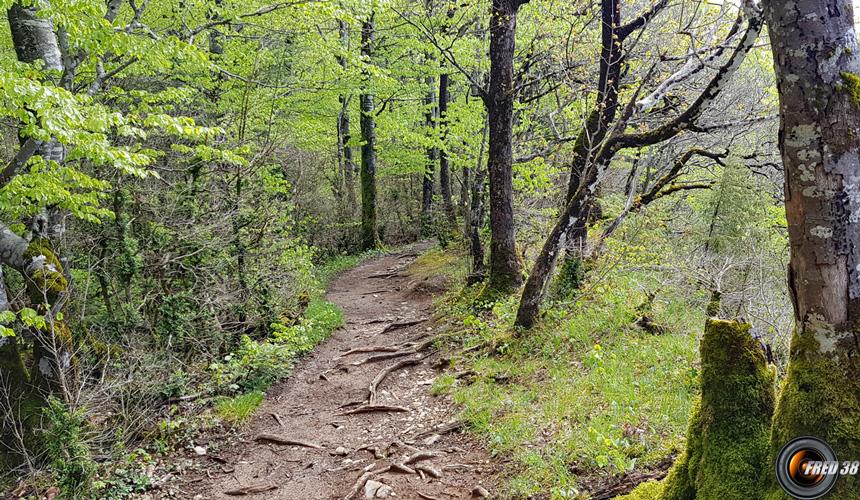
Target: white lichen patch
pixel 801 136
pixel 821 232
pixel 45 367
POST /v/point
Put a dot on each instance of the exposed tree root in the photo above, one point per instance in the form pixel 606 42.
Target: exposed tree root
pixel 360 350
pixel 441 429
pixel 403 324
pixel 374 384
pixel 359 484
pixel 286 441
pixel 375 408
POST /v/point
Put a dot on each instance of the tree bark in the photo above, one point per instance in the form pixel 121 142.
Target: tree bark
pixel 505 266
pixel 343 130
pixel 817 62
pixel 429 178
pixel 369 234
pixel 444 169
pixel 476 214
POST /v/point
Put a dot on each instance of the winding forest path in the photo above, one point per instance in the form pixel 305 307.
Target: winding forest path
pixel 343 453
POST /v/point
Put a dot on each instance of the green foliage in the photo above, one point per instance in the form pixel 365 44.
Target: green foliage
pixel 67 451
pixel 256 364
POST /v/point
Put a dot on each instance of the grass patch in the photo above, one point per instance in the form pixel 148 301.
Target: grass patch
pixel 584 395
pixel 236 410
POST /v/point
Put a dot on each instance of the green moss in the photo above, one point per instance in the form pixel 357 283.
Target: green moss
pixel 852 86
pixel 47 281
pixel 729 429
pixel 645 491
pixel 819 397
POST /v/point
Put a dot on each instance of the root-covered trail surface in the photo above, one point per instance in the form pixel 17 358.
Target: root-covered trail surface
pixel 356 418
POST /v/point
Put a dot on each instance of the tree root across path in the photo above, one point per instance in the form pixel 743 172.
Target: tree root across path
pixel 393 437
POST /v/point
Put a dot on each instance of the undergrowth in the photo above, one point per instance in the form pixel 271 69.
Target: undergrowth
pixel 587 394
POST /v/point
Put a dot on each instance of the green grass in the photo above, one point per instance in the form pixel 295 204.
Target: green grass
pixel 587 393
pixel 236 410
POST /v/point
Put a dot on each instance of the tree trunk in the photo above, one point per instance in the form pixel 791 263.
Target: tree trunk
pixel 343 130
pixel 444 170
pixel 429 178
pixel 369 235
pixel 727 436
pixel 505 266
pixel 476 214
pixel 817 61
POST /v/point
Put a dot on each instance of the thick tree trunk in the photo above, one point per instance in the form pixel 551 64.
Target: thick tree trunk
pixel 817 61
pixel 369 235
pixel 444 169
pixel 729 427
pixel 429 178
pixel 505 266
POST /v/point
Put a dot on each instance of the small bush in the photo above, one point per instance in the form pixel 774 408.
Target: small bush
pixel 67 453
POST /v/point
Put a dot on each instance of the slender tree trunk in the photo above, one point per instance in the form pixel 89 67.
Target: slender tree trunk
pixel 369 235
pixel 429 178
pixel 817 61
pixel 476 214
pixel 343 129
pixel 444 170
pixel 505 266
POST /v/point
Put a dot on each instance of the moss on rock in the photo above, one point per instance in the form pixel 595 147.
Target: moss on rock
pixel 728 435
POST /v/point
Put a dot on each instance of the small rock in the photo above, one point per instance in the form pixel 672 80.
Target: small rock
pixel 480 492
pixel 341 451
pixel 199 450
pixel 375 489
pixel 432 439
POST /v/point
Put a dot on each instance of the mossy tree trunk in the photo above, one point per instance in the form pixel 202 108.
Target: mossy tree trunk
pixel 726 455
pixel 369 234
pixel 444 167
pixel 817 67
pixel 729 429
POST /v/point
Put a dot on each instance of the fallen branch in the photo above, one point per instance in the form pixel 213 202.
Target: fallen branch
pixel 251 490
pixel 286 441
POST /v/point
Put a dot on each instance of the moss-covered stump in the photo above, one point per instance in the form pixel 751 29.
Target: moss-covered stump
pixel 820 397
pixel 729 431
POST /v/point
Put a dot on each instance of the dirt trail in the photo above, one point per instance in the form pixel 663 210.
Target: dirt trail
pixel 378 299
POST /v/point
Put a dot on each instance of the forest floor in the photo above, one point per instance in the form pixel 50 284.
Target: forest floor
pixel 322 433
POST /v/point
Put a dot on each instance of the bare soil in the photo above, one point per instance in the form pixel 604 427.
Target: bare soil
pixel 338 448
